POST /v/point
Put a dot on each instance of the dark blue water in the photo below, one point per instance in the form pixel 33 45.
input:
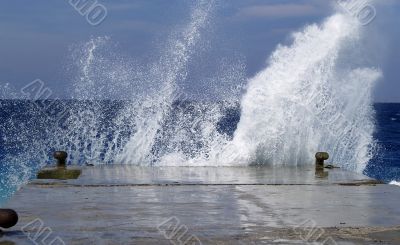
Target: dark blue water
pixel 25 125
pixel 386 164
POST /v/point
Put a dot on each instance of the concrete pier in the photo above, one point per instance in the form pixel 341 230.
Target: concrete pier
pixel 206 205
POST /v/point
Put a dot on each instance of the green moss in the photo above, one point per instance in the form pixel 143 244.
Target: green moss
pixel 59 173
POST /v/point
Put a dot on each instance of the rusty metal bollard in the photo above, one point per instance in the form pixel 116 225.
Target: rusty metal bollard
pixel 60 171
pixel 61 157
pixel 320 157
pixel 8 218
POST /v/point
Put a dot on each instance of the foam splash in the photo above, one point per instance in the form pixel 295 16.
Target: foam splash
pixel 306 101
pixel 393 182
pixel 171 69
pixel 29 135
pixel 311 97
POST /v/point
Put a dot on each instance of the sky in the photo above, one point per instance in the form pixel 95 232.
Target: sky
pixel 36 37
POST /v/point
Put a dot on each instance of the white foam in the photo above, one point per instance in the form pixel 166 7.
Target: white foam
pixel 171 69
pixel 394 183
pixel 309 98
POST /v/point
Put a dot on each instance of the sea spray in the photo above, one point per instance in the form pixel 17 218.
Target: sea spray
pixel 132 135
pixel 311 97
pixel 393 182
pixel 97 129
pixel 170 70
pixel 307 100
pixel 106 92
pixel 157 122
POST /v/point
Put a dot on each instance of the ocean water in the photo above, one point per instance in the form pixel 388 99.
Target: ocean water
pixel 386 163
pixel 314 94
pixel 21 115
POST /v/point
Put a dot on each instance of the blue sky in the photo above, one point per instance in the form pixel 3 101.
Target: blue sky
pixel 36 36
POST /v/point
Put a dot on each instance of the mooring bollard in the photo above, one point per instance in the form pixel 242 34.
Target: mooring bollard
pixel 60 171
pixel 320 157
pixel 320 172
pixel 8 218
pixel 61 157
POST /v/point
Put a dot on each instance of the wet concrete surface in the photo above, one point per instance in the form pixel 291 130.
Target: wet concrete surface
pixel 134 205
pixel 132 175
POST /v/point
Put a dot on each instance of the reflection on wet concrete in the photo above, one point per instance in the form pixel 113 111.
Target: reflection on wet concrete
pixel 321 173
pixel 133 175
pixel 118 205
pixel 7 243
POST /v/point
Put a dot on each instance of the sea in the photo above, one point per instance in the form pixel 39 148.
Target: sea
pixel 21 156
pixel 314 93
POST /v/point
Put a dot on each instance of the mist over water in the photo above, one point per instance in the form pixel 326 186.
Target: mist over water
pixel 311 96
